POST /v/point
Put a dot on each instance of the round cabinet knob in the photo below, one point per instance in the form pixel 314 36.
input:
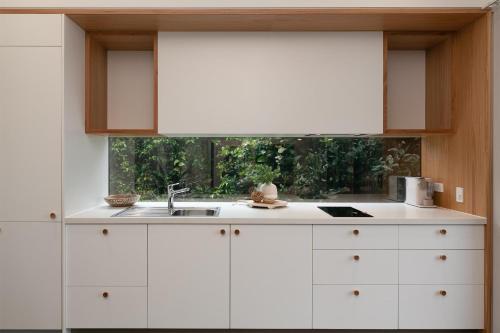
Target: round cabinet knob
pixel 105 232
pixel 105 294
pixel 236 232
pixel 356 258
pixel 355 232
pixel 222 232
pixel 355 292
pixel 52 216
pixel 443 257
pixel 442 292
pixel 443 231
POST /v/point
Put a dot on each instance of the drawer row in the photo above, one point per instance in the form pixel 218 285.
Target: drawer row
pixel 398 266
pixel 406 237
pixel 334 307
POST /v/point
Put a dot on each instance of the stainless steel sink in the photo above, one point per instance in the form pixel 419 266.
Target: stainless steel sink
pixel 165 212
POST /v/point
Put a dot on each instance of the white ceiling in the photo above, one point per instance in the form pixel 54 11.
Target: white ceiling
pixel 244 3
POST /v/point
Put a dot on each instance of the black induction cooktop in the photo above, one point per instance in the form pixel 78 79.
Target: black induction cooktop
pixel 337 211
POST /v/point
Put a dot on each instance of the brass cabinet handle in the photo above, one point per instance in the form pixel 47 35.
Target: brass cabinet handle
pixel 355 292
pixel 356 258
pixel 222 232
pixel 236 232
pixel 105 232
pixel 105 294
pixel 442 292
pixel 52 216
pixel 443 257
pixel 355 232
pixel 443 232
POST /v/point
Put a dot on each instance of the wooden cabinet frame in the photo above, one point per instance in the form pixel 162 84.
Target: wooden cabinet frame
pixel 96 46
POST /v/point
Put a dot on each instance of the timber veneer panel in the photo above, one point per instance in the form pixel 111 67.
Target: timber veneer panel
pixel 464 159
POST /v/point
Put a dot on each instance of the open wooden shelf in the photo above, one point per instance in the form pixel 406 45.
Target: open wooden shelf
pixel 98 45
pixel 437 54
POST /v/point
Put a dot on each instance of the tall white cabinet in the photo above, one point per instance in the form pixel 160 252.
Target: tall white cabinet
pixel 31 94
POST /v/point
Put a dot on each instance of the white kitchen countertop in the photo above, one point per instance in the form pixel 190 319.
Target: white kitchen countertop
pixel 294 213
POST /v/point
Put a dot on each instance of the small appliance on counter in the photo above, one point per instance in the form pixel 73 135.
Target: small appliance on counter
pixel 419 192
pixel 397 188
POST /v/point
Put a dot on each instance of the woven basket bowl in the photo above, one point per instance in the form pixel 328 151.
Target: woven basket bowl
pixel 122 200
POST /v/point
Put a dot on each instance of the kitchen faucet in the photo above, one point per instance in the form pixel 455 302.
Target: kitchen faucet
pixel 171 194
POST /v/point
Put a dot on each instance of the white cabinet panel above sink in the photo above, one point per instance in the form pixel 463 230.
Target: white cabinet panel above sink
pixel 270 83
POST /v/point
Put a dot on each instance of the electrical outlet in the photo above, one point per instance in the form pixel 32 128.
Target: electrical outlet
pixel 439 187
pixel 459 194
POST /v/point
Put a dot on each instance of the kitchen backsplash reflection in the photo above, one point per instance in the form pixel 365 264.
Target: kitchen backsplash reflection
pixel 309 168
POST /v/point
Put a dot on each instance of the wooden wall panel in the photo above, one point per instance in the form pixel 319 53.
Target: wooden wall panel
pixel 438 86
pixel 464 158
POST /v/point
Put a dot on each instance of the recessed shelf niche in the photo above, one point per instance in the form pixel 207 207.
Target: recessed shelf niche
pixel 121 83
pixel 418 83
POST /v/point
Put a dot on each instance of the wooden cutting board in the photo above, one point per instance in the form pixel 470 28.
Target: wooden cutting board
pixel 276 204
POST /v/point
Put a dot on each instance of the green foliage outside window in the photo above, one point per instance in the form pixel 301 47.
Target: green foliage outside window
pixel 308 168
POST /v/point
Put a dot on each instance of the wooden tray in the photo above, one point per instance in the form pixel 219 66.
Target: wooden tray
pixel 276 204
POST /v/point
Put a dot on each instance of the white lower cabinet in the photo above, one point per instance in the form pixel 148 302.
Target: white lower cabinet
pixel 441 307
pixel 441 267
pixel 355 307
pixel 271 276
pixel 107 307
pixel 188 276
pixel 355 267
pixel 30 275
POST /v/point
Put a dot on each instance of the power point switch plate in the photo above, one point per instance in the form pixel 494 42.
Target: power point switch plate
pixel 459 194
pixel 439 187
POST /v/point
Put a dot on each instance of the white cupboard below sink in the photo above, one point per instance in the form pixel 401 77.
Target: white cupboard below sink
pixel 286 83
pixel 188 273
pixel 271 277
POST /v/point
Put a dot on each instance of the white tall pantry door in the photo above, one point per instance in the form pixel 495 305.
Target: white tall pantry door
pixel 30 171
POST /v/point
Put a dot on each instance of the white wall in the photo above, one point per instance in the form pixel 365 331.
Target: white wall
pixel 496 171
pixel 244 3
pixel 406 89
pixel 130 89
pixel 85 157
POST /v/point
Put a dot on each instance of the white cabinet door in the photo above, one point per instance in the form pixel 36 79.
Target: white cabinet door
pixel 355 267
pixel 30 276
pixel 188 276
pixel 441 267
pixel 107 307
pixel 271 277
pixel 31 29
pixel 299 82
pixel 107 255
pixel 441 307
pixel 356 307
pixel 30 133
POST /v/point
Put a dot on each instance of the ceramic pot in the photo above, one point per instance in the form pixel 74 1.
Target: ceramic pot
pixel 269 190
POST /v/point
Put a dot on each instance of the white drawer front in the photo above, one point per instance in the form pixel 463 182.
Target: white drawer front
pixel 107 255
pixel 441 267
pixel 423 307
pixel 355 237
pixel 337 307
pixel 123 307
pixel 355 267
pixel 441 237
pixel 30 29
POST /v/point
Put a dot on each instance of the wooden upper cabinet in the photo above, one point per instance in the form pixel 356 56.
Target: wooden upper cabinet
pixel 30 30
pixel 268 83
pixel 121 83
pixel 418 83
